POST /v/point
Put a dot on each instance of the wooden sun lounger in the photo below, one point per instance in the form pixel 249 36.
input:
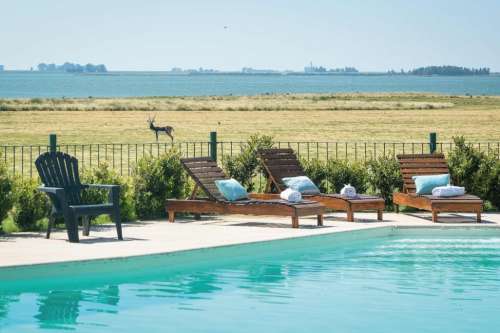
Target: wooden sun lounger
pixel 205 172
pixel 431 164
pixel 282 162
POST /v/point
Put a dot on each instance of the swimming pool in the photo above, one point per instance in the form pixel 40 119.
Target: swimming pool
pixel 380 280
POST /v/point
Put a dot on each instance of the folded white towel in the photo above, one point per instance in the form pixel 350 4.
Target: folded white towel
pixel 448 191
pixel 348 190
pixel 291 195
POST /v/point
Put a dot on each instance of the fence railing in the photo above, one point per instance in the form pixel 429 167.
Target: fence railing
pixel 124 156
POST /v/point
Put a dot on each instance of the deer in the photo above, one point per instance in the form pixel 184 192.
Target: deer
pixel 167 129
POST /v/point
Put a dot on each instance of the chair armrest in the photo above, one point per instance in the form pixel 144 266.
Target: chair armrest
pixel 57 196
pixel 101 186
pixel 51 190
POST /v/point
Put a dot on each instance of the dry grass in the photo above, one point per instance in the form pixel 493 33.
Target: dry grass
pixel 344 117
pixel 301 102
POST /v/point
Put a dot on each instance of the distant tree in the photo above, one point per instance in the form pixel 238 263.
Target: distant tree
pixel 449 70
pixel 72 68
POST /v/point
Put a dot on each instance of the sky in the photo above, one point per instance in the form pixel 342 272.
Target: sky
pixel 228 35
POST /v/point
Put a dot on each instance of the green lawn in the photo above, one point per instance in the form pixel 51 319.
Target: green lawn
pixel 352 117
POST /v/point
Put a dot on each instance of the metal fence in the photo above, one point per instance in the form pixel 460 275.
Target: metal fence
pixel 124 156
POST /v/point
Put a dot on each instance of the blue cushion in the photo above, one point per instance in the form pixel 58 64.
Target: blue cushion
pixel 301 184
pixel 425 184
pixel 231 189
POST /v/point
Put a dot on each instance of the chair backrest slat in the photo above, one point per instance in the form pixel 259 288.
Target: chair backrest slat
pixel 420 165
pixel 205 172
pixel 280 163
pixel 60 170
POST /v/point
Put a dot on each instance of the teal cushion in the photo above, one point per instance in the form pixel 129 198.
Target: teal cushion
pixel 301 184
pixel 231 189
pixel 425 184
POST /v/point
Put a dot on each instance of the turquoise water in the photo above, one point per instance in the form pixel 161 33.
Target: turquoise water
pixel 405 280
pixel 122 84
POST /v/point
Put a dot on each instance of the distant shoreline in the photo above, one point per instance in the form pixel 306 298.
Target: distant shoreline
pixel 169 73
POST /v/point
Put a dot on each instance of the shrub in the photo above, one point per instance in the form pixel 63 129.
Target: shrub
pixel 384 177
pixel 245 166
pixel 492 192
pixel 6 197
pixel 316 170
pixel 340 173
pixel 477 172
pixel 30 205
pixel 157 179
pixel 464 162
pixel 104 174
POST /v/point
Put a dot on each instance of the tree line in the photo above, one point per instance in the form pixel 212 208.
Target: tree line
pixel 449 70
pixel 72 68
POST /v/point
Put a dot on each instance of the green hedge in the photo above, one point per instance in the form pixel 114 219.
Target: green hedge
pixel 6 196
pixel 478 172
pixel 379 176
pixel 245 166
pixel 30 205
pixel 317 171
pixel 384 178
pixel 340 173
pixel 155 181
pixel 104 174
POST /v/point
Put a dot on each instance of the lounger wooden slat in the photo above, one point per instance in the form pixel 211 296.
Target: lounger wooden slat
pixel 421 171
pixel 205 172
pixel 282 162
pixel 431 164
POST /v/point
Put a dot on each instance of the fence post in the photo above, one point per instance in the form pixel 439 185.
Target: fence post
pixel 432 142
pixel 53 142
pixel 213 146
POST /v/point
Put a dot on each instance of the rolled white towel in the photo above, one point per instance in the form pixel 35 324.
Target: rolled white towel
pixel 348 191
pixel 291 195
pixel 448 191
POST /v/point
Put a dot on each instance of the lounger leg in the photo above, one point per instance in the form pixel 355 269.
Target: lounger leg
pixel 478 217
pixel 380 214
pixel 171 216
pixel 86 225
pixel 434 216
pixel 320 220
pixel 49 226
pixel 396 208
pixel 295 221
pixel 350 216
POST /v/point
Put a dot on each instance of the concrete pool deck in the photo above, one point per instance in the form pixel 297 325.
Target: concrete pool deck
pixel 154 237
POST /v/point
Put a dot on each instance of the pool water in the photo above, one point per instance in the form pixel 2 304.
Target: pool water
pixel 384 280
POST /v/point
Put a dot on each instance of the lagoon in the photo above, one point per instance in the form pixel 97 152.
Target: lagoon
pixel 23 84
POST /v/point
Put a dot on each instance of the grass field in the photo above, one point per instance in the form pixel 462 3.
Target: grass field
pixel 308 117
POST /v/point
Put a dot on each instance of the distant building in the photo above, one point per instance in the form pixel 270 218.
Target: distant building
pixel 314 69
pixel 201 70
pixel 2 68
pixel 320 69
pixel 250 70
